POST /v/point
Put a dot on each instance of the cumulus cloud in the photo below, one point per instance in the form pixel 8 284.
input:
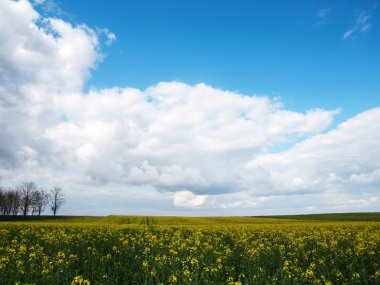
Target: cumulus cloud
pixel 173 135
pixel 40 58
pixel 50 57
pixel 186 198
pixel 339 163
pixel 172 145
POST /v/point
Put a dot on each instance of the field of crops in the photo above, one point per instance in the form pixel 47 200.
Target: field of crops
pixel 167 250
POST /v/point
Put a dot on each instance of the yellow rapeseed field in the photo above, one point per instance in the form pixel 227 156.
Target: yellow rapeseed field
pixel 210 251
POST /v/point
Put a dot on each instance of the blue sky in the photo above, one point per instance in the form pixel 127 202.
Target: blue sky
pixel 295 50
pixel 193 107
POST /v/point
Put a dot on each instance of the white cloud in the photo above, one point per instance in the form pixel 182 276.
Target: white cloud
pixel 143 174
pixel 172 144
pixel 110 37
pixel 195 137
pixel 37 59
pixel 323 13
pixel 186 198
pixel 372 177
pixel 335 161
pixel 38 2
pixel 363 202
pixel 321 17
pixel 38 62
pixel 362 23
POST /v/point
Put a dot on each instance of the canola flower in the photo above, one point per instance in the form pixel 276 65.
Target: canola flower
pixel 283 253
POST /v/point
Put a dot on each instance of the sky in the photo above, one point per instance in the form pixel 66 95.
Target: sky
pixel 193 107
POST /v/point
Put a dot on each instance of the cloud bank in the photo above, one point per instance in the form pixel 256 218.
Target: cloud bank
pixel 171 148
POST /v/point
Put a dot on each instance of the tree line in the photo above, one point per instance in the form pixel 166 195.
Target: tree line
pixel 28 199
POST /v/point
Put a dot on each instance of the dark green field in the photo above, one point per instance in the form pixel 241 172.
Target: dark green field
pixel 176 220
pixel 331 217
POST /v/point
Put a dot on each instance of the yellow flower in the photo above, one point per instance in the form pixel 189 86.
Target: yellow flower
pixel 194 261
pixel 186 273
pixel 172 279
pixel 78 280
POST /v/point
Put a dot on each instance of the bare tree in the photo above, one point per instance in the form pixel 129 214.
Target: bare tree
pixel 3 203
pixel 26 198
pixel 33 204
pixel 14 202
pixel 39 202
pixel 26 190
pixel 56 199
pixel 9 201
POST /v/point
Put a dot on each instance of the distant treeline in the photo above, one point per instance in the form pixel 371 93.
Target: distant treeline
pixel 28 199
